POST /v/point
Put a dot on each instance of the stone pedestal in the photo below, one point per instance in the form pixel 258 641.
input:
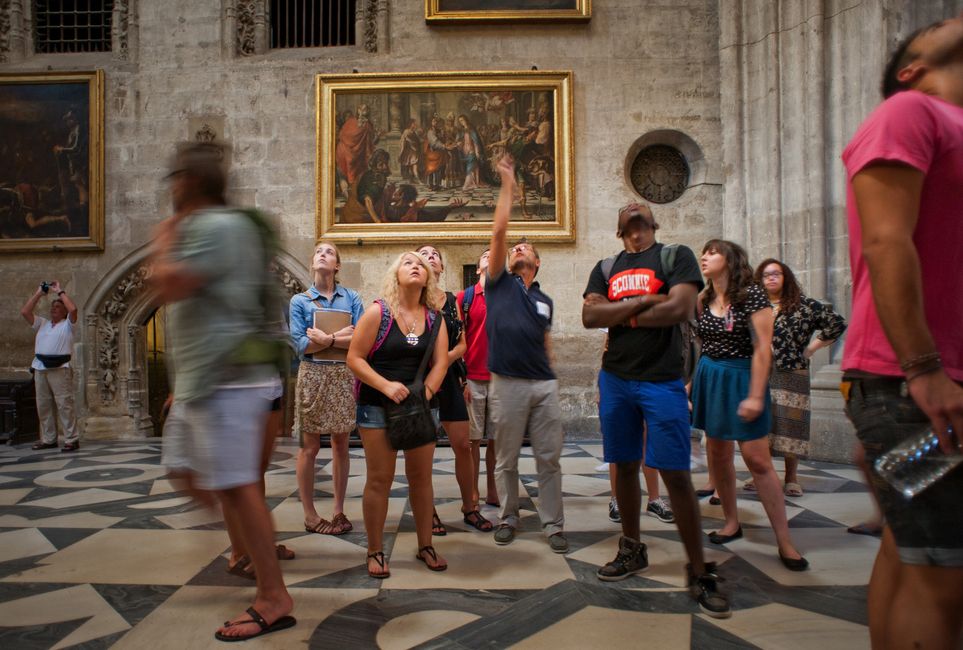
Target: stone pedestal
pixel 832 436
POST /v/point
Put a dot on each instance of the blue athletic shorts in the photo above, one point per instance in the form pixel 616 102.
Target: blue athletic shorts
pixel 626 406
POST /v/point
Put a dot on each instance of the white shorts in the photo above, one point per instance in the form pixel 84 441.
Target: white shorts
pixel 218 439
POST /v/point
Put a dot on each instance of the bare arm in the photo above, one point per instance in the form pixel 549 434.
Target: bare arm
pixel 439 361
pixel 68 303
pixel 27 310
pixel 751 407
pixel 888 199
pixel 549 348
pixel 503 211
pixel 361 343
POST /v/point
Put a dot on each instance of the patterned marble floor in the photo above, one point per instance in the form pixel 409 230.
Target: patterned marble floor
pixel 98 550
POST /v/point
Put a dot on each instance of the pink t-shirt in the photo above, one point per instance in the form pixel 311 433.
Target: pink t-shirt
pixel 476 352
pixel 926 133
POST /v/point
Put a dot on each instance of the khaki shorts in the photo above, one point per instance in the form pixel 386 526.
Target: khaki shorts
pixel 479 411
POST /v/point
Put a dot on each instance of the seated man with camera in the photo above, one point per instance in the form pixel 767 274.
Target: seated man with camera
pixel 53 379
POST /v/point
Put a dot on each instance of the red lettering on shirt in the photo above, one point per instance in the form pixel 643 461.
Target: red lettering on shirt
pixel 633 282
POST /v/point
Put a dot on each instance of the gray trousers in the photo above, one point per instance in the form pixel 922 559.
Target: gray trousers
pixel 518 405
pixel 54 389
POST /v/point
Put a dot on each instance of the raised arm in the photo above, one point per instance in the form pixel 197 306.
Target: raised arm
pixel 27 310
pixel 503 212
pixel 888 200
pixel 68 302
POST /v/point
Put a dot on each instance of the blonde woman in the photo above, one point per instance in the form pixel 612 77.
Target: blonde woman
pixel 324 399
pixel 387 348
pixel 452 407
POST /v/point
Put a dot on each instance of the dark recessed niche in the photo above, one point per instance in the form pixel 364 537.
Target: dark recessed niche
pixel 660 173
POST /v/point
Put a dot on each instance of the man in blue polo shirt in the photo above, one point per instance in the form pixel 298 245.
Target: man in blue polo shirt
pixel 524 390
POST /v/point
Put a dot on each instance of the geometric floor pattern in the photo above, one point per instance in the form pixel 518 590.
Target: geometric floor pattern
pixel 98 550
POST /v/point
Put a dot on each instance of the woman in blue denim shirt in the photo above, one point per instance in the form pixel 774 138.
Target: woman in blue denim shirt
pixel 324 397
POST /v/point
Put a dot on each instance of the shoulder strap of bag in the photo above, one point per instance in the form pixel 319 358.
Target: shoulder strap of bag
pixel 607 265
pixel 466 299
pixel 431 346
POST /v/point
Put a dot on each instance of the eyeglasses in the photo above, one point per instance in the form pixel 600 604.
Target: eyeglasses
pixel 519 248
pixel 772 274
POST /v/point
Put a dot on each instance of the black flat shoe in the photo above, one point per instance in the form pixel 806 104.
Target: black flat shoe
pixel 716 538
pixel 44 445
pixel 715 501
pixel 794 565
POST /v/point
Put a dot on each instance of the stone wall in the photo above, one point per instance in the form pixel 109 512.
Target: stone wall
pixel 639 66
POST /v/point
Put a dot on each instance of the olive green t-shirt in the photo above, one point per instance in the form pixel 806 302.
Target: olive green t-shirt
pixel 224 247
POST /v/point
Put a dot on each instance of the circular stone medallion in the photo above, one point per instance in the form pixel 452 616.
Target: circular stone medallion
pixel 660 173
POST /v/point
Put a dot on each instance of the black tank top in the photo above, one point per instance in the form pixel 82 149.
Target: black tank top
pixel 395 360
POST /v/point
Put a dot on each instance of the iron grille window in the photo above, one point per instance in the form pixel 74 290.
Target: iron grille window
pixel 312 23
pixel 64 26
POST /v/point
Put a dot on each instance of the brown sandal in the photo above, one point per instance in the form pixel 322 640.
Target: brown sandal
pixel 343 522
pixel 379 558
pixel 325 527
pixel 434 558
pixel 477 521
pixel 243 568
pixel 437 527
pixel 283 552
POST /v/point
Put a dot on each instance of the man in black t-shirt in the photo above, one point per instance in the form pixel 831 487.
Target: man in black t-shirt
pixel 642 295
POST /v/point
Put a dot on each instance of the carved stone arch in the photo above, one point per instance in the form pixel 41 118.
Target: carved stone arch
pixel 115 350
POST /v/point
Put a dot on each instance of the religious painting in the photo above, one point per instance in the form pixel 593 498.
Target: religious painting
pixel 52 161
pixel 405 157
pixel 507 11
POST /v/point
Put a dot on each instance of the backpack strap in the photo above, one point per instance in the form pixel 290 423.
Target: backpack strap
pixel 607 265
pixel 383 327
pixel 466 299
pixel 667 257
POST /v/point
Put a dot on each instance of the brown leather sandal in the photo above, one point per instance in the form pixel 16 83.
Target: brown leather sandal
pixel 325 527
pixel 379 558
pixel 342 522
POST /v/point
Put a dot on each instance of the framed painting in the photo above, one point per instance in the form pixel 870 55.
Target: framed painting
pixel 410 156
pixel 52 161
pixel 507 11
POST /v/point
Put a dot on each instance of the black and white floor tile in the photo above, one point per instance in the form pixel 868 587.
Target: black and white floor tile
pixel 98 550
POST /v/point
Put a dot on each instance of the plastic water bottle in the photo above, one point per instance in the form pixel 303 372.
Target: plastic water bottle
pixel 916 463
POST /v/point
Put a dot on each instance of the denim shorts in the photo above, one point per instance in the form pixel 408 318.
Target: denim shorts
pixel 928 528
pixel 627 406
pixel 373 417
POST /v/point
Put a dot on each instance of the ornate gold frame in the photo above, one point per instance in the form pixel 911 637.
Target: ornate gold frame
pixel 95 180
pixel 329 87
pixel 434 13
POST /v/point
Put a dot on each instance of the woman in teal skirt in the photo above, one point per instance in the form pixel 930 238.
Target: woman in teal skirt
pixel 730 391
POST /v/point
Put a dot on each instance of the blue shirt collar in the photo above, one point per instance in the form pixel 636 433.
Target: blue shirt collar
pixel 338 291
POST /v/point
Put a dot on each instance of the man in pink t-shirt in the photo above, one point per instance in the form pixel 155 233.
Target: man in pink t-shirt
pixel 904 351
pixel 476 391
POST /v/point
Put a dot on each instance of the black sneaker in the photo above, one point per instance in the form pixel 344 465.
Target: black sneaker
pixel 706 592
pixel 661 510
pixel 614 514
pixel 631 560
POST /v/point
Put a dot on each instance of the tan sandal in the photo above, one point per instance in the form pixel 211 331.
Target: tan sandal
pixel 793 490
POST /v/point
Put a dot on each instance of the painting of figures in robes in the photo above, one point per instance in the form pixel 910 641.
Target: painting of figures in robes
pixel 51 162
pixel 404 155
pixel 515 11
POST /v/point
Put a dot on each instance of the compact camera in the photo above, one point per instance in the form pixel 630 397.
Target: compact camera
pixel 45 286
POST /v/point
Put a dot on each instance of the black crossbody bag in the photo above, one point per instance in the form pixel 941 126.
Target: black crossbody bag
pixel 409 423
